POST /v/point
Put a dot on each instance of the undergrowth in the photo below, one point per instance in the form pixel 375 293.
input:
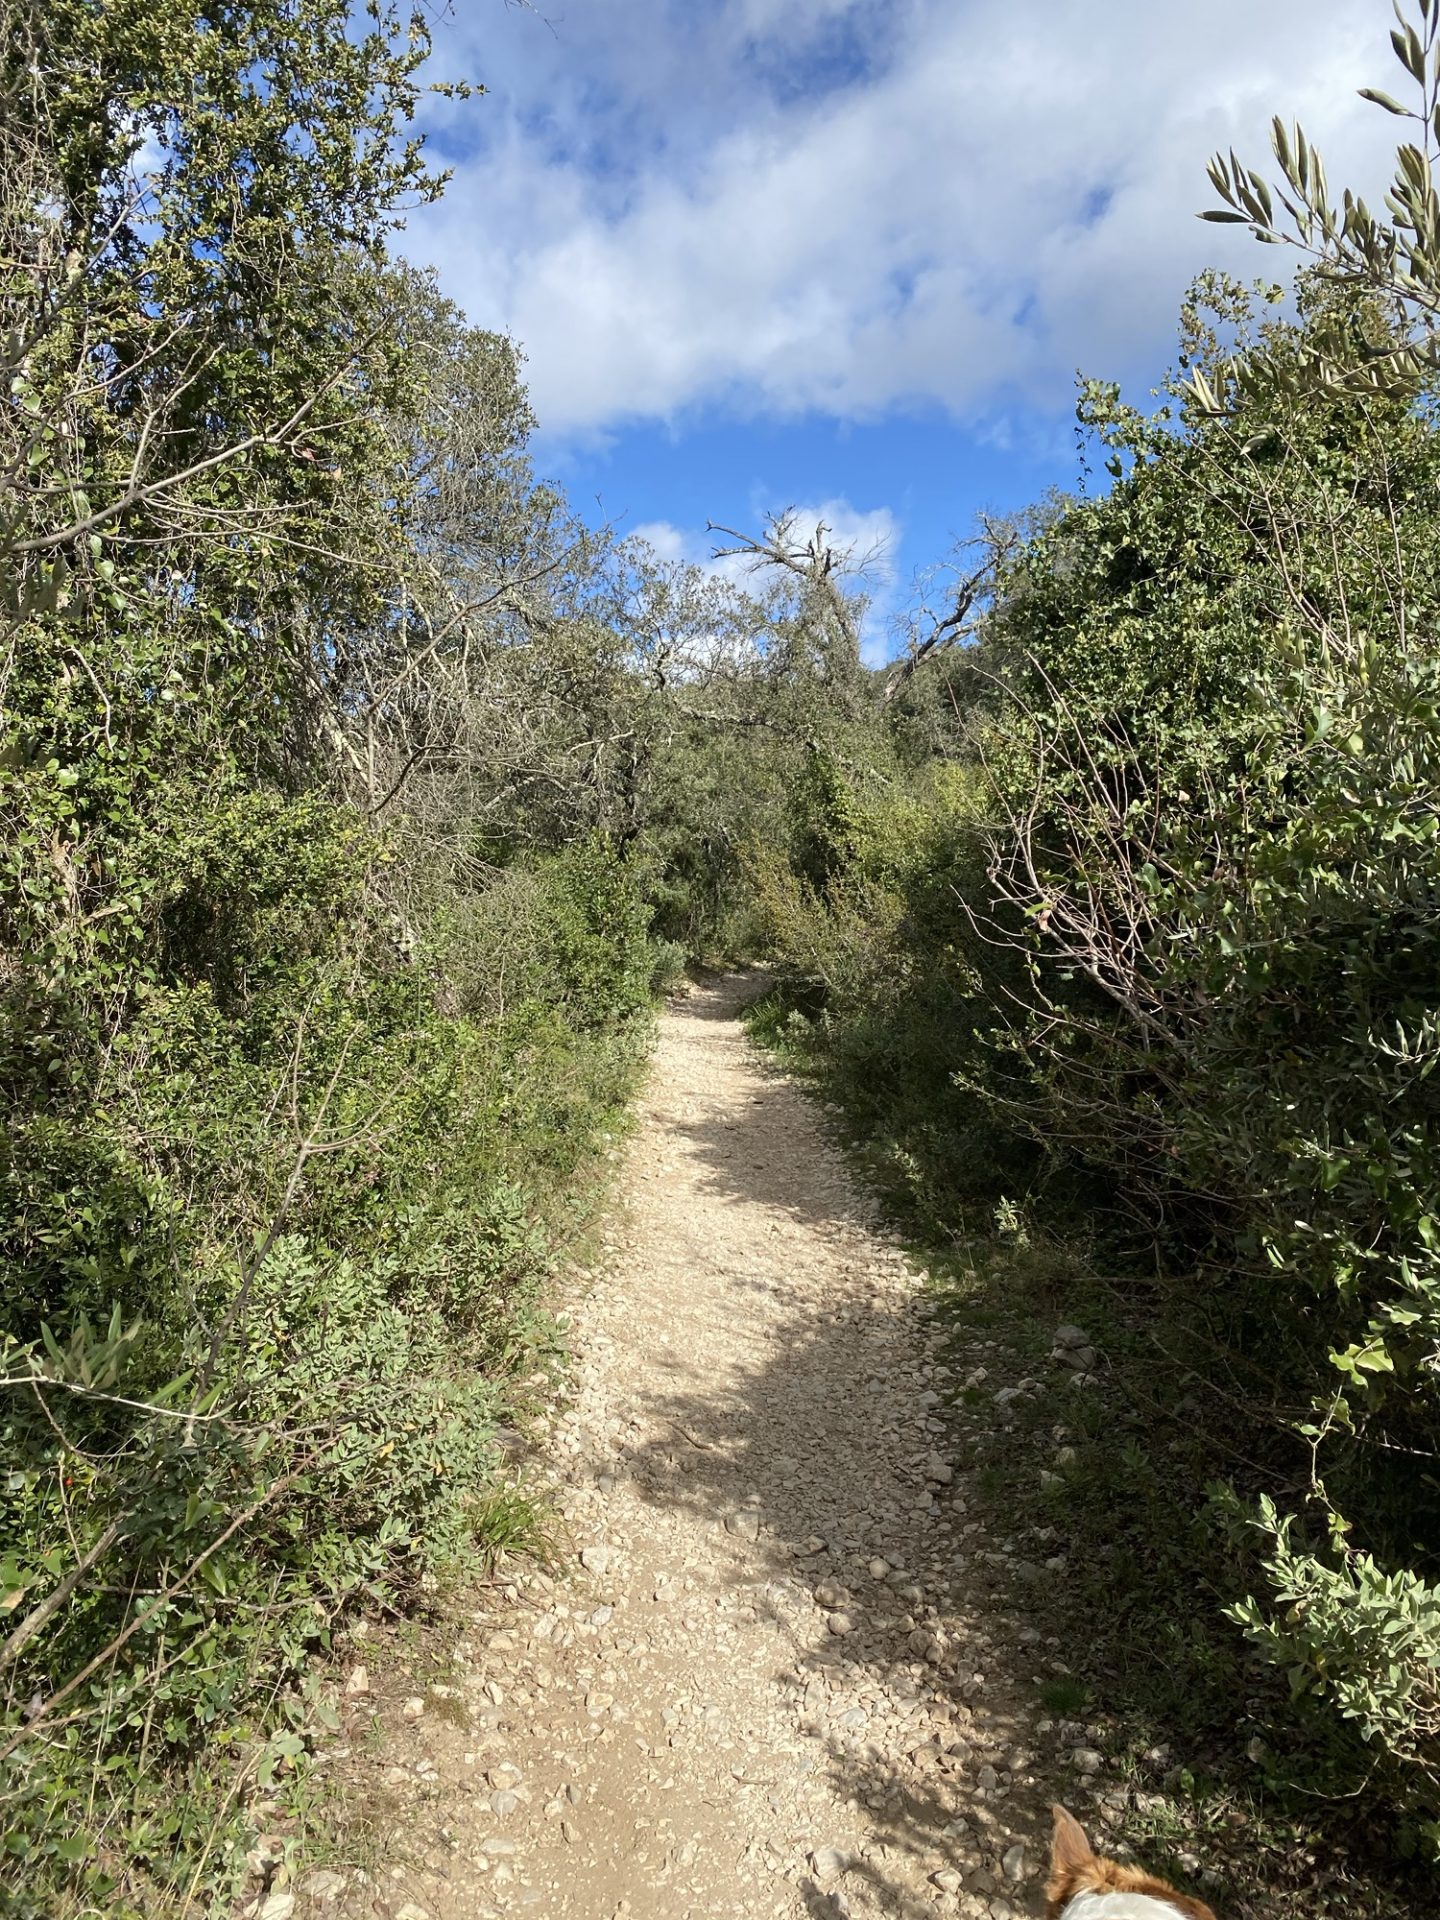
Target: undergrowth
pixel 1222 1770
pixel 301 1429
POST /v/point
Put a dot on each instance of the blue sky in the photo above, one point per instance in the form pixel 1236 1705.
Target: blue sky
pixel 847 255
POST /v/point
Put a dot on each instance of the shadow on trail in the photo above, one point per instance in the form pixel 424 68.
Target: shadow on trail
pixel 740 1168
pixel 794 1439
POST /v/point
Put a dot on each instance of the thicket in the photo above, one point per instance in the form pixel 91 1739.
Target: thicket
pixel 1129 929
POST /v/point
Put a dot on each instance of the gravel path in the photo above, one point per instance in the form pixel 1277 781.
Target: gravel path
pixel 776 1684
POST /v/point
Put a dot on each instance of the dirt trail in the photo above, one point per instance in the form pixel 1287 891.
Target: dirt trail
pixel 777 1685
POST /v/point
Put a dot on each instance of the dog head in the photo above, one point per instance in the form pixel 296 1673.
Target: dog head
pixel 1083 1885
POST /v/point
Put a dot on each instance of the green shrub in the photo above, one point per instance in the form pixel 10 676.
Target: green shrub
pixel 891 986
pixel 1212 801
pixel 327 1375
pixel 1158 956
pixel 1364 1641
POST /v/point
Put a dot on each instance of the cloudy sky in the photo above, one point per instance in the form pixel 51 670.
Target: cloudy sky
pixel 850 253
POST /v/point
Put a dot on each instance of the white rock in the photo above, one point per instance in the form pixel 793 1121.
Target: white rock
pixel 413 1707
pixel 925 1646
pixel 1081 1359
pixel 947 1880
pixel 323 1886
pixel 828 1863
pixel 596 1559
pixel 1013 1864
pixel 745 1522
pixel 1070 1337
pixel 839 1623
pixel 357 1681
pixel 1086 1760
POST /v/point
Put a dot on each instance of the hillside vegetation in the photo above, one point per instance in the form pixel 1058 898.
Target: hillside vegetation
pixel 358 798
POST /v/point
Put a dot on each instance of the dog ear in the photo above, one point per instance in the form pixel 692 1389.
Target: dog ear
pixel 1069 1849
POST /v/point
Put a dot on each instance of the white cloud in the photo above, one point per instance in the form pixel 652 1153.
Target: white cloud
pixel 674 544
pixel 824 205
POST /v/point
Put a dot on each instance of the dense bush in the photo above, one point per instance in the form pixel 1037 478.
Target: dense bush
pixel 1186 943
pixel 295 1065
pixel 281 1271
pixel 890 988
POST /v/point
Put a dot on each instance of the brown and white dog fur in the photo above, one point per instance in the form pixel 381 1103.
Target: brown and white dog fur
pixel 1083 1885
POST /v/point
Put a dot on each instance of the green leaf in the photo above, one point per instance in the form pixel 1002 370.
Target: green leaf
pixel 1409 52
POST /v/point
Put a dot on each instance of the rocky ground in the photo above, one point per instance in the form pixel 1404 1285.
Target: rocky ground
pixel 786 1675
